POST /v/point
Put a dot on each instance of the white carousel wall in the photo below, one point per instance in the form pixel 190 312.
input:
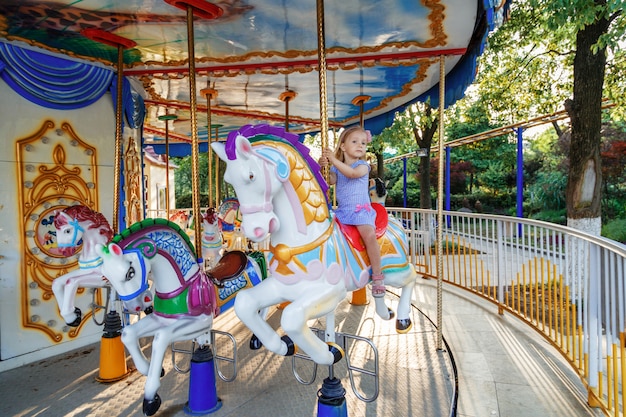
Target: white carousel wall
pixel 20 119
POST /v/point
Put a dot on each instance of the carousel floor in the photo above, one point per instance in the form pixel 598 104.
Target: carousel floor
pixel 502 369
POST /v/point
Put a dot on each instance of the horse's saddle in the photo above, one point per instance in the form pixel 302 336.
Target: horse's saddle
pixel 230 266
pixel 352 233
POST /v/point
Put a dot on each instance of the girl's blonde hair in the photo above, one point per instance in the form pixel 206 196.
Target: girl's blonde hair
pixel 342 138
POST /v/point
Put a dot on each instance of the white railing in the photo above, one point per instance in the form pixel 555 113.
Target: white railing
pixel 568 285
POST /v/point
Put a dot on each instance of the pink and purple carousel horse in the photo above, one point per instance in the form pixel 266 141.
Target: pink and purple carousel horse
pixel 311 263
pixel 186 298
pixel 75 226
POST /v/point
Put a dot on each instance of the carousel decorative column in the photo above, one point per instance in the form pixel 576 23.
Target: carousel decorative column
pixel 112 356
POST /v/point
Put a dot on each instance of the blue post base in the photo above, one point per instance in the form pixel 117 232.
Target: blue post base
pixel 331 399
pixel 202 387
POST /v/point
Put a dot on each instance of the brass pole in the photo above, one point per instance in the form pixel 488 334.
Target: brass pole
pixel 117 174
pixel 167 118
pixel 217 169
pixel 195 154
pixel 208 11
pixel 120 43
pixel 321 58
pixel 209 93
pixel 442 92
pixel 286 96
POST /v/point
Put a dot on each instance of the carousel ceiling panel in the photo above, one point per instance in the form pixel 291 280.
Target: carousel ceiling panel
pixel 251 51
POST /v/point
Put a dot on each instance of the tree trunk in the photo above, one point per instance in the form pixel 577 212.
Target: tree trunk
pixel 585 173
pixel 380 165
pixel 424 170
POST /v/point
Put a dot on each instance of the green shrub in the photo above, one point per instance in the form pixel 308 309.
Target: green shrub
pixel 552 216
pixel 616 230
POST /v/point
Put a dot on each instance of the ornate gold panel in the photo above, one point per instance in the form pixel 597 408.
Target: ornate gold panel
pixel 55 169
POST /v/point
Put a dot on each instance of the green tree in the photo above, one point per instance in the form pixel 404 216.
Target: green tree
pixel 553 54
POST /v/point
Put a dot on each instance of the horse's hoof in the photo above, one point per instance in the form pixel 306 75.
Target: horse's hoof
pixel 403 325
pixel 162 372
pixel 391 314
pixel 291 347
pixel 78 319
pixel 148 310
pixel 255 343
pixel 152 406
pixel 337 352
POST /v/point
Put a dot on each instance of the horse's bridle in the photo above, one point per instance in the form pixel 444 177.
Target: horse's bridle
pixel 77 228
pixel 267 205
pixel 144 276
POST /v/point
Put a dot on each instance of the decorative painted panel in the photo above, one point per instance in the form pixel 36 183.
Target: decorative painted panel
pixel 56 169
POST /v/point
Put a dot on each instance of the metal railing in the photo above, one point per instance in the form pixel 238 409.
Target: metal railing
pixel 569 286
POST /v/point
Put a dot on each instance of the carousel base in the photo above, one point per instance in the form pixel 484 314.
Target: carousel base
pixel 416 378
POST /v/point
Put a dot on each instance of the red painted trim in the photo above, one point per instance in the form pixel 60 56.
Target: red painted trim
pixel 200 8
pixel 108 38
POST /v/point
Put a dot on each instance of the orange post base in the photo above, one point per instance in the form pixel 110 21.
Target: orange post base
pixel 359 297
pixel 112 360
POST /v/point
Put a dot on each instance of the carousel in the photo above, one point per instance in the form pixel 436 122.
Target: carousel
pixel 86 89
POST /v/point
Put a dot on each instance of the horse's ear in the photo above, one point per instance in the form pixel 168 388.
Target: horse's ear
pixel 244 148
pixel 218 148
pixel 115 249
pixel 112 248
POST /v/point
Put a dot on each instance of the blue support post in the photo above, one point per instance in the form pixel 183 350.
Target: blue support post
pixel 331 399
pixel 404 178
pixel 202 385
pixel 447 179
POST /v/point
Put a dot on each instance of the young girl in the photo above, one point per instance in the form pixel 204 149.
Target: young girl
pixel 350 172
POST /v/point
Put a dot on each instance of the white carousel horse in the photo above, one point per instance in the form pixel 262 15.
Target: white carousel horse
pixel 212 243
pixel 186 299
pixel 311 263
pixel 75 225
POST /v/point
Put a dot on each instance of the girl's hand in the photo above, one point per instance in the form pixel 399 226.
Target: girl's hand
pixel 328 155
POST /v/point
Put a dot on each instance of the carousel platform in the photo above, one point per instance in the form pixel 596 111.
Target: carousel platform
pixel 493 365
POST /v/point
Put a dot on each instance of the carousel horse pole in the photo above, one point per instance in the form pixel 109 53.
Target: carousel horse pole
pixel 326 408
pixel 204 371
pixel 111 344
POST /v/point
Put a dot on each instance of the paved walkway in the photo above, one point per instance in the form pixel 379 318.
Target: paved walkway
pixel 504 370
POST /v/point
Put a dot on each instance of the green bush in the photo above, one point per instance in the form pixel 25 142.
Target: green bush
pixel 186 200
pixel 616 230
pixel 552 216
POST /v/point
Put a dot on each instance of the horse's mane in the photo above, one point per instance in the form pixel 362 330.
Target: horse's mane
pixel 83 213
pixel 147 223
pixel 303 167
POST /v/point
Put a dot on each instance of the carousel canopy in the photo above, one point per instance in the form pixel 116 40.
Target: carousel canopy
pixel 256 61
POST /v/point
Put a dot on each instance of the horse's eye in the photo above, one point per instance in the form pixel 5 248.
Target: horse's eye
pixel 251 175
pixel 130 274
